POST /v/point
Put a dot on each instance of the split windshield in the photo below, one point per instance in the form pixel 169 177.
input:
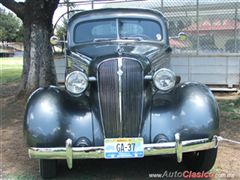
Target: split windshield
pixel 112 29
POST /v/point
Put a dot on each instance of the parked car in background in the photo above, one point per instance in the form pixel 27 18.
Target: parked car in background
pixel 121 98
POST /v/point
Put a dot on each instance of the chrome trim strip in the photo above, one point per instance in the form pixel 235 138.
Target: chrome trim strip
pixel 78 68
pixel 84 58
pixel 120 73
pixel 142 105
pixel 123 41
pixel 92 79
pixel 148 77
pixel 79 60
pixel 70 153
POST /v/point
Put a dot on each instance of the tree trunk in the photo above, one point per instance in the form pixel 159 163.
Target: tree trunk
pixel 38 64
pixel 39 69
pixel 26 59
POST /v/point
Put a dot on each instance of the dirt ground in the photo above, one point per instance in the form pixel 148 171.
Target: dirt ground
pixel 15 164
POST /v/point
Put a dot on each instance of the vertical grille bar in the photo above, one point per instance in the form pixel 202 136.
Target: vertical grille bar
pixel 131 78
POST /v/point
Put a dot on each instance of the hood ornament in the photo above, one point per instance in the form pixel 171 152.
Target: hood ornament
pixel 120 50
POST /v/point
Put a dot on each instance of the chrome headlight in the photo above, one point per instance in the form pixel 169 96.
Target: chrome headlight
pixel 76 82
pixel 164 79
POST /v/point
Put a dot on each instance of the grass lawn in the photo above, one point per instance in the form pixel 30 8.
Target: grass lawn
pixel 10 69
pixel 231 108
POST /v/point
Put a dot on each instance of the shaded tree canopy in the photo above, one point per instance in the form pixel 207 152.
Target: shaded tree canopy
pixel 38 69
pixel 61 30
pixel 11 28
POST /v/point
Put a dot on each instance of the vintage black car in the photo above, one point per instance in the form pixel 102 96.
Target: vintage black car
pixel 121 98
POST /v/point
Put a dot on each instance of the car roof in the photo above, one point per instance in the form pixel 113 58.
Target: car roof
pixel 117 12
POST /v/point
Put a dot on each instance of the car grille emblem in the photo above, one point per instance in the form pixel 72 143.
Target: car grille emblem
pixel 120 72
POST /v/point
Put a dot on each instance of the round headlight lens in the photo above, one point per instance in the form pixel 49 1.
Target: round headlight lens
pixel 76 82
pixel 164 79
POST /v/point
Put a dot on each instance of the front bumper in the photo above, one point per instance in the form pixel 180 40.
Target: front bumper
pixel 69 153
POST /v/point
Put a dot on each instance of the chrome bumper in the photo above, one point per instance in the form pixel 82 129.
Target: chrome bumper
pixel 69 153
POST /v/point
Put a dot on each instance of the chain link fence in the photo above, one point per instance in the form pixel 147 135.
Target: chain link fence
pixel 212 26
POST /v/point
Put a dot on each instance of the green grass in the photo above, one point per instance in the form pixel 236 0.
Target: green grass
pixel 10 69
pixel 231 108
pixel 21 177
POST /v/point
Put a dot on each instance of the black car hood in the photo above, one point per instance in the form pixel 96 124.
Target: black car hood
pixel 103 51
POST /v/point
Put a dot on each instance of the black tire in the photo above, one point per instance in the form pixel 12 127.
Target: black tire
pixel 200 161
pixel 48 168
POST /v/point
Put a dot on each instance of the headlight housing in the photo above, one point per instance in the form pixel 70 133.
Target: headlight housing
pixel 76 82
pixel 164 79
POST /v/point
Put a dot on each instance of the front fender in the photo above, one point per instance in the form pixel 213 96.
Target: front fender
pixel 52 116
pixel 190 109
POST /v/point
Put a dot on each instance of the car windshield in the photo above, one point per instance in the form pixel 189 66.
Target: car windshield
pixel 108 29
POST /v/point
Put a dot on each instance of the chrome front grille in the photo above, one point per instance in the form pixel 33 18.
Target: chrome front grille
pixel 120 86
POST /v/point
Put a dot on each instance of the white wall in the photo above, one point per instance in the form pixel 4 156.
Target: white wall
pixel 211 70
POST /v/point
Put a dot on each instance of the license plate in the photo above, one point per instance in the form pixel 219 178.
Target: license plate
pixel 123 148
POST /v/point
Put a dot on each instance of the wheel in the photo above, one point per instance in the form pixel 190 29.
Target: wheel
pixel 200 161
pixel 48 168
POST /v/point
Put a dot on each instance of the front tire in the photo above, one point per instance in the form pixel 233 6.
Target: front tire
pixel 48 168
pixel 200 161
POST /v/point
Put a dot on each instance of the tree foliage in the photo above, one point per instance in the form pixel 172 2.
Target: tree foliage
pixel 11 28
pixel 61 30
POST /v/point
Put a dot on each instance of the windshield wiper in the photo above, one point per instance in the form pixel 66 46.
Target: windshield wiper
pixel 103 39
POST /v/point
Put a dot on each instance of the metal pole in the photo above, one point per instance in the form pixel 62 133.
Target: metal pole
pixel 198 27
pixel 68 10
pixel 92 4
pixel 162 6
pixel 235 27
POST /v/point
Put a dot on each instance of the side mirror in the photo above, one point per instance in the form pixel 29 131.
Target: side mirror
pixel 182 36
pixel 54 40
